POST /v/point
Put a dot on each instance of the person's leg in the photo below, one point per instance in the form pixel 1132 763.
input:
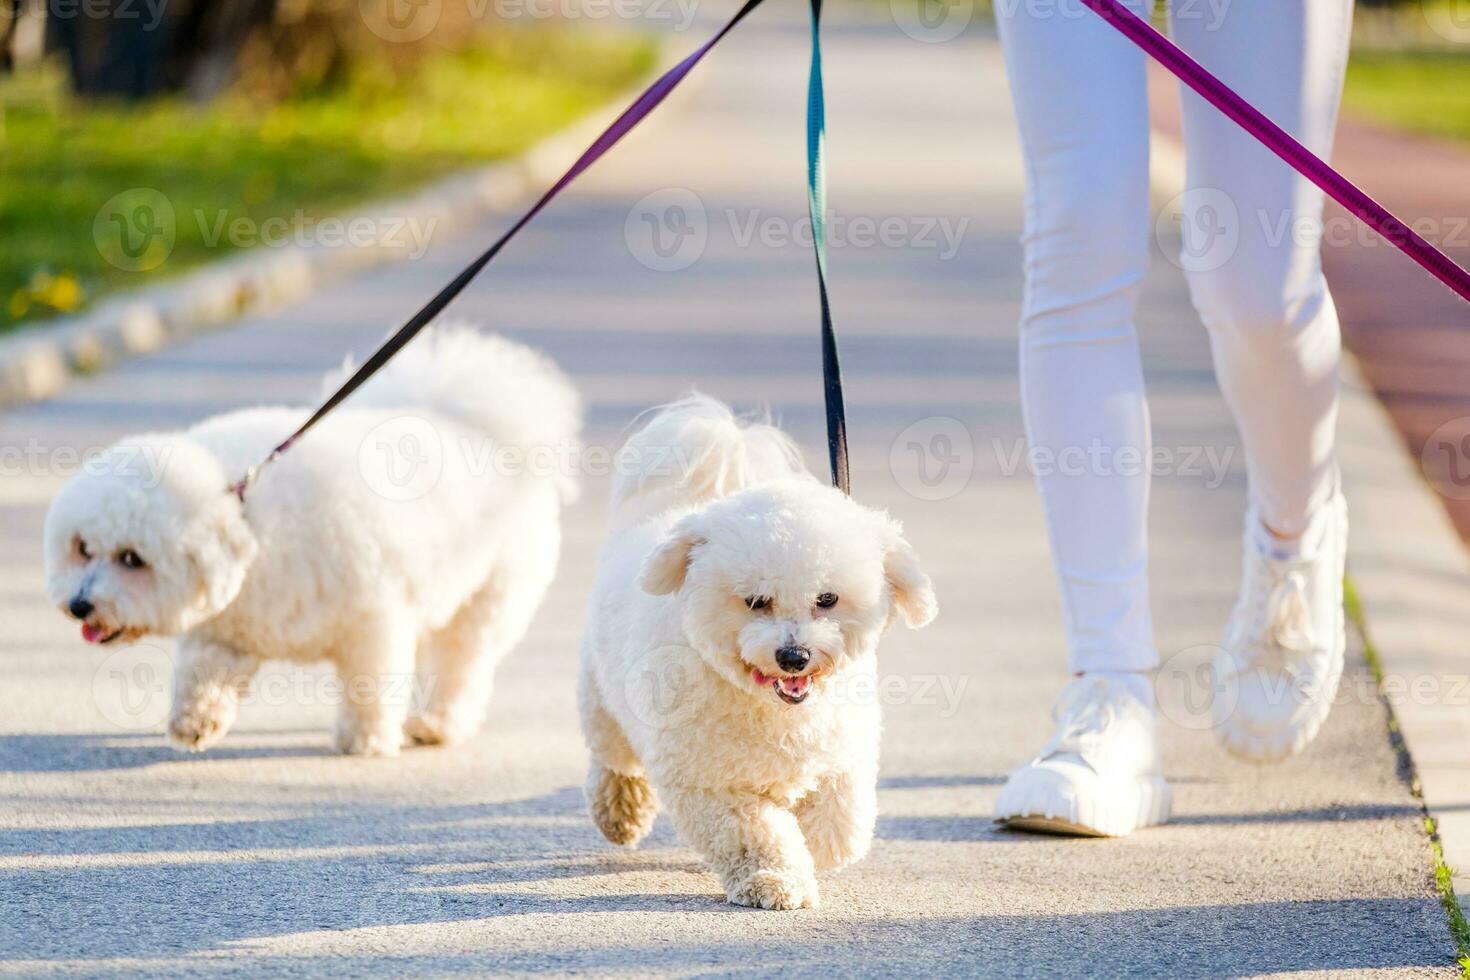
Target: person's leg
pixel 1272 325
pixel 1273 329
pixel 1079 93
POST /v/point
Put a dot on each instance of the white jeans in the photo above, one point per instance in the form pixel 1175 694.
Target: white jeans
pixel 1256 281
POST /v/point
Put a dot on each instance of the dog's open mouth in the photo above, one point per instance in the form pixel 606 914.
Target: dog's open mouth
pixel 93 633
pixel 792 690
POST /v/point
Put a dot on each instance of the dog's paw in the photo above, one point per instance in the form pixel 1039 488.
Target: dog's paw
pixel 623 807
pixel 369 742
pixel 440 728
pixel 775 889
pixel 200 723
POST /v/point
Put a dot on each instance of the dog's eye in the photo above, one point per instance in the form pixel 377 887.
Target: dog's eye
pixel 827 600
pixel 130 559
pixel 82 551
pixel 758 602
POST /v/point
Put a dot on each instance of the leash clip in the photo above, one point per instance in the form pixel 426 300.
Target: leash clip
pixel 247 481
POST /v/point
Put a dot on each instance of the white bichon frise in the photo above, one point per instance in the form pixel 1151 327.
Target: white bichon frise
pixel 415 530
pixel 729 668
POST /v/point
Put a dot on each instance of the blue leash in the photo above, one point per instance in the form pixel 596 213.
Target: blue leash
pixel 816 186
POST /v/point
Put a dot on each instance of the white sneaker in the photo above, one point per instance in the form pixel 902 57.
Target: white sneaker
pixel 1099 775
pixel 1279 668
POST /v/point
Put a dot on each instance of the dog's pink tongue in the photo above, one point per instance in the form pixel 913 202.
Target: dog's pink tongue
pixel 795 686
pixel 92 634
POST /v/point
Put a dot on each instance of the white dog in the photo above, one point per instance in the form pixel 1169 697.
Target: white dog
pixel 413 528
pixel 730 660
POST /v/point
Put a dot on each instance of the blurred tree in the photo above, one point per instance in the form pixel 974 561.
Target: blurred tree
pixel 210 38
pixel 132 49
pixel 10 14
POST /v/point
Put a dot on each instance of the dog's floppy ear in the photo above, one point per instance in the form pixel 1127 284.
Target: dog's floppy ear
pixel 665 567
pixel 221 547
pixel 913 593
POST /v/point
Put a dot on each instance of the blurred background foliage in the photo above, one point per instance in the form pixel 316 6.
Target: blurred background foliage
pixel 1410 67
pixel 295 109
pixel 260 109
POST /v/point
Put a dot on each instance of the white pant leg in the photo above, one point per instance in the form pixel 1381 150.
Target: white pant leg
pixel 1079 94
pixel 1273 328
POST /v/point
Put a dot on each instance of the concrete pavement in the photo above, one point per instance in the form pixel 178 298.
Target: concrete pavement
pixel 269 855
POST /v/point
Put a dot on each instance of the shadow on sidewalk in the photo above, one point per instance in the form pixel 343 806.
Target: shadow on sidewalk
pixel 199 889
pixel 100 753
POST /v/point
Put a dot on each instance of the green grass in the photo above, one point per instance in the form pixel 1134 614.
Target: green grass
pixel 1443 875
pixel 1444 884
pixel 61 161
pixel 1424 92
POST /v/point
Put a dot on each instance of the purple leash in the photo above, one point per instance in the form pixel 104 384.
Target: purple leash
pixel 619 128
pixel 1283 144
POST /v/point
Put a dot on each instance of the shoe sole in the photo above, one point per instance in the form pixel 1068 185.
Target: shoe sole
pixel 1147 803
pixel 1046 825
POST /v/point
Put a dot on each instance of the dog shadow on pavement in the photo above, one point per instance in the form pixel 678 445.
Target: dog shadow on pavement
pixel 86 891
pixel 99 753
pixel 527 883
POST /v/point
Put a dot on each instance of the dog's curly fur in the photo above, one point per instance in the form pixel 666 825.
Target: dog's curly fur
pixel 724 551
pixel 319 562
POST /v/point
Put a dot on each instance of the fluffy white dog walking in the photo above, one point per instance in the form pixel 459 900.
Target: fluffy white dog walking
pixel 414 530
pixel 729 668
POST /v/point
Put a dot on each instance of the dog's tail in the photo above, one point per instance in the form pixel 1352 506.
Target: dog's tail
pixel 514 395
pixel 696 450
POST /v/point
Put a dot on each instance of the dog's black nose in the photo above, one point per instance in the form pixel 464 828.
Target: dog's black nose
pixel 793 660
pixel 80 608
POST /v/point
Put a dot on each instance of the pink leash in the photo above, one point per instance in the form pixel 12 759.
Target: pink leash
pixel 1280 142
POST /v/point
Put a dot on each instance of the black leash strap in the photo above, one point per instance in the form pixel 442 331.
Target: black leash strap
pixel 619 128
